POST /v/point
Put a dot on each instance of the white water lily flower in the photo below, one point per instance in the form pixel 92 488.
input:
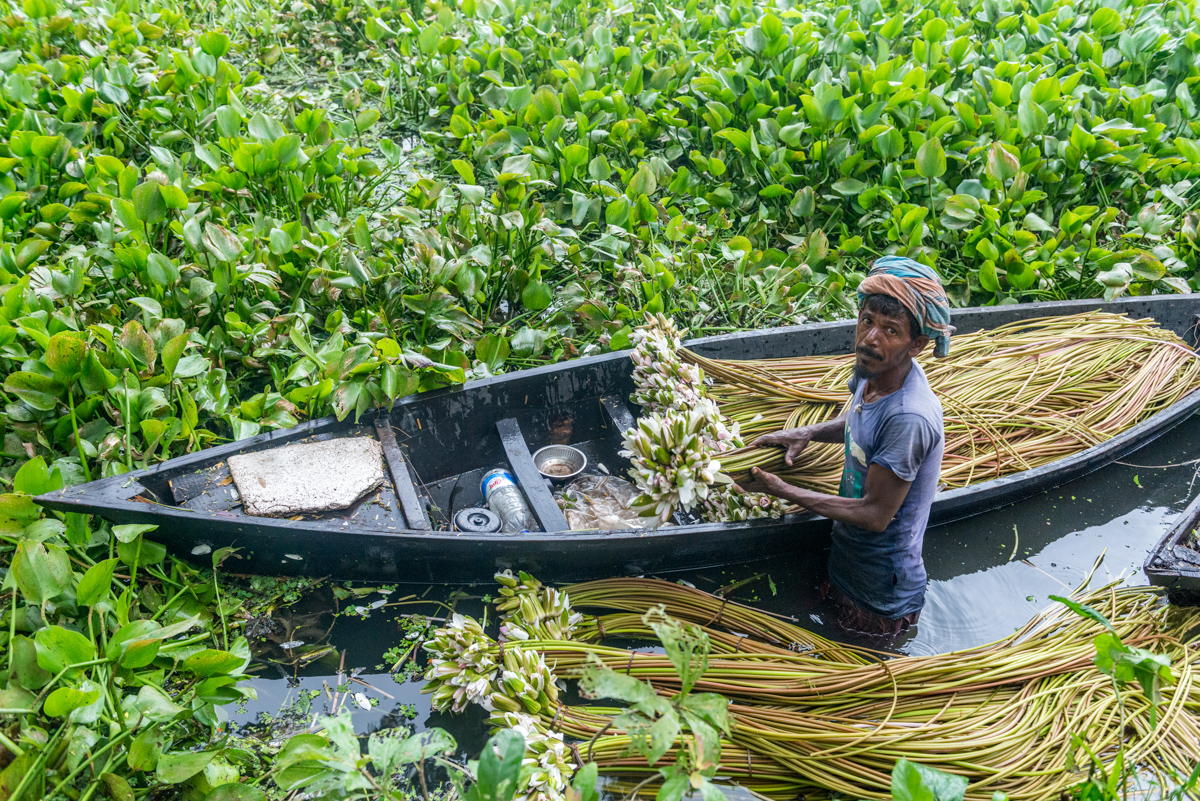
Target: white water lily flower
pixel 673 448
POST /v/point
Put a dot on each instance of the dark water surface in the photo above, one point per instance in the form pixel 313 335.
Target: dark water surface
pixel 988 576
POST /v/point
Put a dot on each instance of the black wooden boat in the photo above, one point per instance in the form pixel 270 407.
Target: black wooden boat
pixel 1174 562
pixel 437 446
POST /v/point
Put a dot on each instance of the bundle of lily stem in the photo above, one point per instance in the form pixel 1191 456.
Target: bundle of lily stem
pixel 1014 397
pixel 814 717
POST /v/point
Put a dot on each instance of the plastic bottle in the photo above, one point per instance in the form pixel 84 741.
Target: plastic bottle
pixel 504 497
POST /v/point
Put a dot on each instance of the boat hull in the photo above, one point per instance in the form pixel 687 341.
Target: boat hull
pixel 448 430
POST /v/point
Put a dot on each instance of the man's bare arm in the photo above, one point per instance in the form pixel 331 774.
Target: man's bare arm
pixel 795 440
pixel 883 494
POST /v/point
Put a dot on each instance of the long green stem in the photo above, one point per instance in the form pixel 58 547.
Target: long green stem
pixel 87 473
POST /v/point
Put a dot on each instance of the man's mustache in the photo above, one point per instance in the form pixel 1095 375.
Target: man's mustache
pixel 862 351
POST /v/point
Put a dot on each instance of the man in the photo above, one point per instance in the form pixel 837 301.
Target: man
pixel 892 430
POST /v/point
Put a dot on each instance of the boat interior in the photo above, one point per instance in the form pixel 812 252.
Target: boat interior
pixel 433 468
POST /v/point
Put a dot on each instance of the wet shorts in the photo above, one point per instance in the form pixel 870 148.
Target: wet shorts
pixel 852 617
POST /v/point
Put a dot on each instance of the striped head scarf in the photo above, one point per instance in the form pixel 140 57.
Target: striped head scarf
pixel 919 289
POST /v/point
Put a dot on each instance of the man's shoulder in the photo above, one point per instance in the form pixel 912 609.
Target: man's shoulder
pixel 917 407
pixel 918 398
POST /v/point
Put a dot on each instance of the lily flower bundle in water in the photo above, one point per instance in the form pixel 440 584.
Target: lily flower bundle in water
pixel 513 683
pixel 1014 397
pixel 813 717
pixel 674 447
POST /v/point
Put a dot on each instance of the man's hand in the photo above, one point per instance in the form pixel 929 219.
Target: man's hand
pixel 794 440
pixel 768 483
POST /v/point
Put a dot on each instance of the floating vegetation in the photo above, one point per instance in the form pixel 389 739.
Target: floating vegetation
pixel 812 716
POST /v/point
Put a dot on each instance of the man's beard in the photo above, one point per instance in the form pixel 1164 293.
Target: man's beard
pixel 862 373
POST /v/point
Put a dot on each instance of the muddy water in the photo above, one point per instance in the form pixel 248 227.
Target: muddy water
pixel 987 576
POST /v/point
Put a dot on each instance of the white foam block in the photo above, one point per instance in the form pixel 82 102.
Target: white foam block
pixel 308 477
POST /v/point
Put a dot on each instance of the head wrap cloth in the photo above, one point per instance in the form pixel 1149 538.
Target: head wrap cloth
pixel 919 289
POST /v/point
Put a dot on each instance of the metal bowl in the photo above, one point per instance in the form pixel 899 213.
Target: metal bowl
pixel 559 462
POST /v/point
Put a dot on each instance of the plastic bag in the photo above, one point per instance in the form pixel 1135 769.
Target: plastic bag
pixel 598 502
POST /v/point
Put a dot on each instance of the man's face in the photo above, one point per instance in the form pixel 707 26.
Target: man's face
pixel 882 342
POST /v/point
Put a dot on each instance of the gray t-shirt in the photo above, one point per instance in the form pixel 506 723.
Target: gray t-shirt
pixel 883 571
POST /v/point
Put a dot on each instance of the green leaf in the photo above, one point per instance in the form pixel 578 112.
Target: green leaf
pixel 423 745
pixel 11 204
pixel 221 243
pixel 497 775
pixel 34 478
pixel 712 708
pixel 398 381
pixel 215 43
pixel 236 792
pixel 155 705
pixel 19 507
pixel 41 570
pixel 281 242
pixel 145 750
pixel 130 531
pixel 988 278
pixel 118 788
pixel 1083 610
pixel 529 342
pixel 686 644
pixel 162 270
pixel 17 698
pixel 148 203
pixel 465 170
pixel 95 582
pixel 35 389
pixel 674 787
pixel 30 250
pixel 58 647
pixel 179 767
pixel 1021 276
pixel 889 144
pixel 365 119
pixel 1031 118
pixel 493 350
pixel 362 234
pixel 141 553
pixel 172 352
pixel 212 662
pixel 65 700
pixel 913 782
pixel 849 187
pixel 931 159
pixel 536 296
pixel 137 342
pixel 739 139
pixel 545 103
pixel 29 674
pixel 643 182
pixel 602 682
pixel 265 129
pixel 94 378
pixel 598 169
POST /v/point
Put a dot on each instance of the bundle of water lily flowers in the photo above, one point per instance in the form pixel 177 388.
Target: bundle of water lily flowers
pixel 513 683
pixel 674 447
